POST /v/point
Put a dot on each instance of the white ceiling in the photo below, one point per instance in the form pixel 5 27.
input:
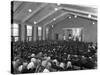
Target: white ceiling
pixel 44 13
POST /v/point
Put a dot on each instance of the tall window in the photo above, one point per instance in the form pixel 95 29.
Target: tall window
pixel 47 32
pixel 14 32
pixel 29 33
pixel 39 32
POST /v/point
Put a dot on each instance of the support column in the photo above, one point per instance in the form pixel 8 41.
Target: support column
pixel 50 33
pixel 35 33
pixel 81 34
pixel 25 32
pixel 32 33
pixel 12 39
pixel 19 29
pixel 22 32
pixel 44 32
pixel 47 33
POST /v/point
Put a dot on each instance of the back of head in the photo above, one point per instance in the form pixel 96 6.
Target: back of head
pixel 48 58
pixel 69 64
pixel 32 55
pixel 39 54
pixel 33 60
pixel 25 63
pixel 30 65
pixel 20 68
pixel 62 65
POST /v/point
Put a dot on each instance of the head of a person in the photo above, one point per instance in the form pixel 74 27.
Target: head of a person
pixel 20 68
pixel 30 65
pixel 40 54
pixel 68 55
pixel 62 65
pixel 46 70
pixel 32 55
pixel 33 60
pixel 69 64
pixel 48 58
pixel 83 57
pixel 90 57
pixel 25 63
pixel 56 61
pixel 48 65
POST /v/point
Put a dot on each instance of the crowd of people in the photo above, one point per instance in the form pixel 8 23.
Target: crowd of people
pixel 53 56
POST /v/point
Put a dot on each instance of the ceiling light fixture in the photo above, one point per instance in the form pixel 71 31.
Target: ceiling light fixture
pixel 30 10
pixel 54 19
pixel 58 4
pixel 75 16
pixel 39 28
pixel 56 9
pixel 89 16
pixel 93 23
pixel 70 17
pixel 35 22
pixel 52 26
